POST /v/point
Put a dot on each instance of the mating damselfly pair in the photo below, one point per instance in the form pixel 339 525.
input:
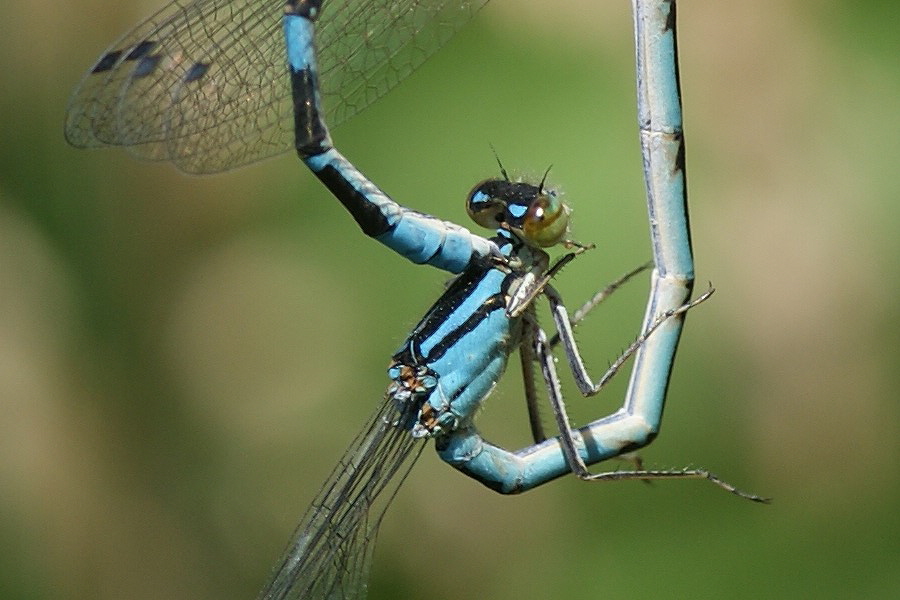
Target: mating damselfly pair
pixel 211 86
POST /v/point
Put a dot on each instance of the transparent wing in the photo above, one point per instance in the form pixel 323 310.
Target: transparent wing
pixel 204 83
pixel 330 552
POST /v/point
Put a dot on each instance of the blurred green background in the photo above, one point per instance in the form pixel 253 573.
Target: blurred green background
pixel 183 359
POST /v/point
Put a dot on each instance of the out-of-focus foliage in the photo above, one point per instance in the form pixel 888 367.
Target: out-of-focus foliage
pixel 183 359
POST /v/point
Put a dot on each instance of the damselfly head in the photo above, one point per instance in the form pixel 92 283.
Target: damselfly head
pixel 534 213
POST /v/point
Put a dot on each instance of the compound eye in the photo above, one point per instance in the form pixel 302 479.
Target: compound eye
pixel 546 222
pixel 485 207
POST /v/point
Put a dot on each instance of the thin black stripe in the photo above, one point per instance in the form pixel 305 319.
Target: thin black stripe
pixel 493 303
pixel 460 290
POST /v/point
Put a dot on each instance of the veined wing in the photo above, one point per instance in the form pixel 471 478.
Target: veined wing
pixel 330 552
pixel 204 83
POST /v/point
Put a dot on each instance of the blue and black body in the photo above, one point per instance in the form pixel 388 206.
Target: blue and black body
pixel 181 87
pixel 459 350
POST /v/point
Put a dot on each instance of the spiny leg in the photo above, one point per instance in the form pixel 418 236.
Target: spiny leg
pixel 649 475
pixel 528 358
pixel 527 353
pixel 513 472
pixel 612 436
pixel 567 438
pixel 599 297
pixel 567 337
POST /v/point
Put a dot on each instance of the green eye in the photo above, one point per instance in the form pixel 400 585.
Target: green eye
pixel 547 220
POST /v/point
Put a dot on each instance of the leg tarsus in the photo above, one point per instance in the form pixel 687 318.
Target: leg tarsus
pixel 648 475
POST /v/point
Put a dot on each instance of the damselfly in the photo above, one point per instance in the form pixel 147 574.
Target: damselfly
pixel 447 367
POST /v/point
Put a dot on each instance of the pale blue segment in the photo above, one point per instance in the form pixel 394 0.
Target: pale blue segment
pixel 425 240
pixel 298 35
pixel 663 88
pixel 515 472
pixel 659 110
pixel 660 121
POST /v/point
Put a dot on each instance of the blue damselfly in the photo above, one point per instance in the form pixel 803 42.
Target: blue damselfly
pixel 204 86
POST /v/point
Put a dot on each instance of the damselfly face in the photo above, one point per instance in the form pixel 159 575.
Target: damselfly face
pixel 535 214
